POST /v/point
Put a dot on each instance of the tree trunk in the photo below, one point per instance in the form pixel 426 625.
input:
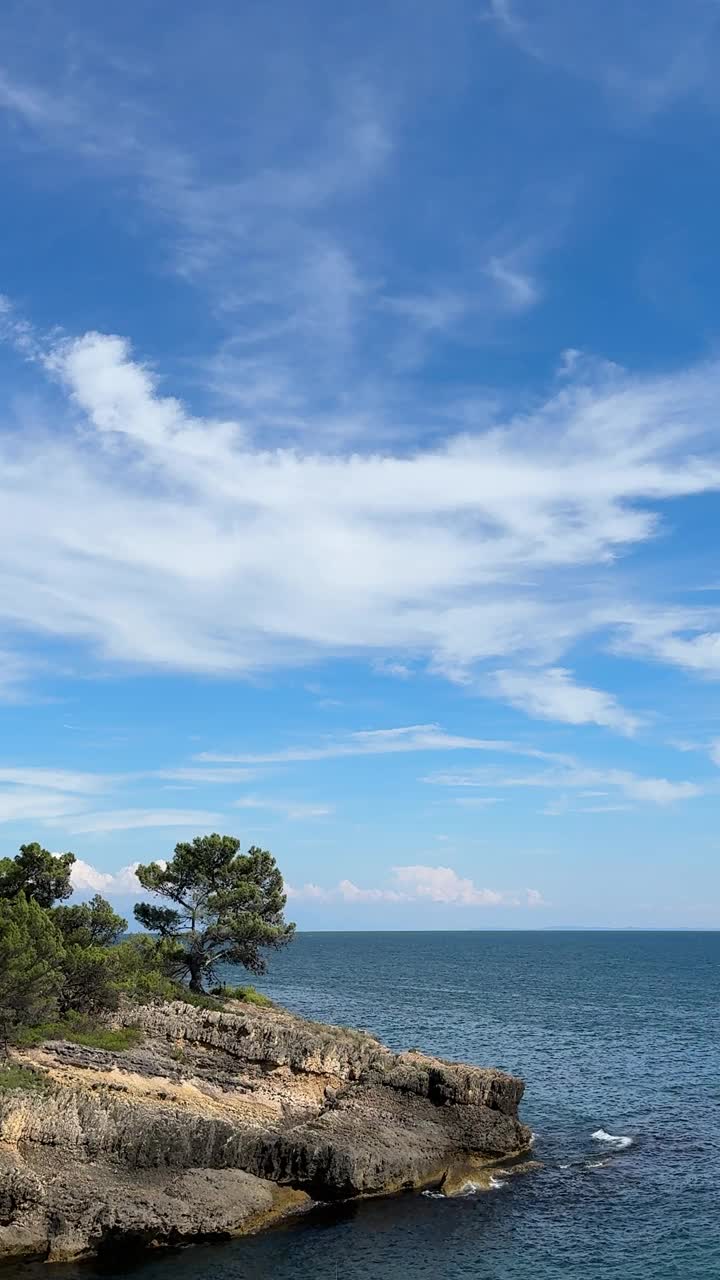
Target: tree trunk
pixel 195 983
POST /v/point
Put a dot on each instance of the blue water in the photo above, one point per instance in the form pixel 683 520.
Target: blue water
pixel 612 1031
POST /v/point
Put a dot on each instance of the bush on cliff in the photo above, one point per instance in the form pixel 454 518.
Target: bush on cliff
pixel 228 908
pixel 81 1029
pixel 14 1077
pixel 247 995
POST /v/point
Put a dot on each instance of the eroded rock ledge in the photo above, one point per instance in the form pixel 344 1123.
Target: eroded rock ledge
pixel 221 1123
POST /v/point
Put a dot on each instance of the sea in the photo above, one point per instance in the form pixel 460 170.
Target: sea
pixel 617 1036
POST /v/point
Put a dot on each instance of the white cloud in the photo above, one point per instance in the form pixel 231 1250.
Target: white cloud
pixel 656 791
pixel 204 774
pixel 86 878
pixel 400 670
pixel 294 810
pixel 535 898
pixel 27 802
pixel 442 884
pixel 347 891
pixel 518 289
pixel 420 883
pixel 641 67
pixel 408 884
pixel 552 694
pixel 308 892
pixel 220 564
pixel 14 673
pixel 374 742
pixel 130 819
pixel 686 638
pixel 344 891
pixel 434 312
pixel 54 779
pixel 477 802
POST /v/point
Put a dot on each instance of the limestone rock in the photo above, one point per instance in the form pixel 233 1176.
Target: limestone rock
pixel 220 1123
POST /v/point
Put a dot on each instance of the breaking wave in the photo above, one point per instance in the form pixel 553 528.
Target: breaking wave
pixel 613 1140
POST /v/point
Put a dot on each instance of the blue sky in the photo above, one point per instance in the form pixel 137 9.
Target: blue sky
pixel 359 451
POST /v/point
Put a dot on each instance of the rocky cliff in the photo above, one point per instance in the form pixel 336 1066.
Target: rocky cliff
pixel 220 1123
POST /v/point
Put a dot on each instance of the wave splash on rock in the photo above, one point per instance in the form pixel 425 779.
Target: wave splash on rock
pixel 612 1139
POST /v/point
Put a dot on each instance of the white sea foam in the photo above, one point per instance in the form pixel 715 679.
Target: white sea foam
pixel 614 1140
pixel 497 1183
pixel 597 1164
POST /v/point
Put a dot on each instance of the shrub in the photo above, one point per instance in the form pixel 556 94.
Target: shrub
pixel 248 995
pixel 198 1001
pixel 13 1076
pixel 141 970
pixel 89 980
pixel 79 1029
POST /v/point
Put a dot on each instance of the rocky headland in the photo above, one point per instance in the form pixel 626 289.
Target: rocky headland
pixel 221 1123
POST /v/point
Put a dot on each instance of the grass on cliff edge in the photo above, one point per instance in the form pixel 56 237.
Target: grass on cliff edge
pixel 247 995
pixel 216 999
pixel 82 1030
pixel 13 1076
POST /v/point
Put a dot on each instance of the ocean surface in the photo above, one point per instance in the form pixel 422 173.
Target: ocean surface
pixel 618 1038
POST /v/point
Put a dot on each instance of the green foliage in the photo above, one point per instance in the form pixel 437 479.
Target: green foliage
pixel 90 924
pixel 37 874
pixel 89 979
pixel 199 999
pixel 141 969
pixel 31 955
pixel 13 1076
pixel 80 1029
pixel 228 907
pixel 90 966
pixel 247 994
pixel 63 967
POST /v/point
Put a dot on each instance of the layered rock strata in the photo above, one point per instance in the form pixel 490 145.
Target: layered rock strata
pixel 222 1123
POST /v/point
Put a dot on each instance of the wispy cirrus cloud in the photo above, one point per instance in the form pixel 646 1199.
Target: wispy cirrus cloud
pixel 293 810
pixel 643 790
pixel 641 67
pixel 228 776
pixel 54 779
pixel 457 533
pixel 27 803
pixel 134 819
pixel 432 552
pixel 371 742
pixel 518 289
